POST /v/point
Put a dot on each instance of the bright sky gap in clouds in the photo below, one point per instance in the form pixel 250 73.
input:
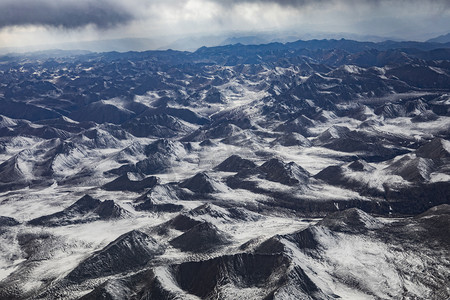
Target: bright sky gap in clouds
pixel 30 22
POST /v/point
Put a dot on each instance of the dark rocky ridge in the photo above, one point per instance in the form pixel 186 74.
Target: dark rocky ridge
pixel 200 238
pixel 86 209
pixel 200 183
pixel 201 278
pixel 235 163
pixel 435 149
pixel 8 221
pixel 289 174
pixel 350 220
pixel 129 251
pixel 124 183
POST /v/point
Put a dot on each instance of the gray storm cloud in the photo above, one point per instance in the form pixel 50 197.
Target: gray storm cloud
pixel 63 13
pixel 28 22
pixel 72 14
pixel 291 3
pixel 302 3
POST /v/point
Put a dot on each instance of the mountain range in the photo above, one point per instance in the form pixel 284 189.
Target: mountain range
pixel 312 169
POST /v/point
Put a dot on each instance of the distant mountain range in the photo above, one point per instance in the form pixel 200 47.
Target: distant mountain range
pixel 248 43
pixel 193 43
pixel 440 39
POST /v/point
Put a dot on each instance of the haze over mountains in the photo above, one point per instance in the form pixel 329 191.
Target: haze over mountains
pixel 314 169
pixel 445 38
pixel 192 43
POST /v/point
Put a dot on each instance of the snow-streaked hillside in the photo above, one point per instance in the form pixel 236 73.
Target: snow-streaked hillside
pixel 257 172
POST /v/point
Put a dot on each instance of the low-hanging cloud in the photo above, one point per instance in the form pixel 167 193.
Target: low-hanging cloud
pixel 67 14
pixel 291 3
pixel 34 22
pixel 73 14
pixel 303 3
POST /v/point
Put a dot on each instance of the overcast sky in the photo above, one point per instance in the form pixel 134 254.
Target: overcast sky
pixel 28 22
